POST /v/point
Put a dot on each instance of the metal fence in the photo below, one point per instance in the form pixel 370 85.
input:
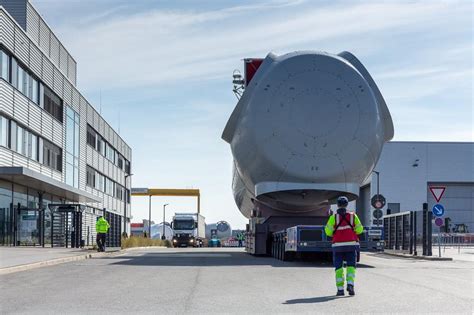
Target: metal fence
pixel 453 239
pixel 409 232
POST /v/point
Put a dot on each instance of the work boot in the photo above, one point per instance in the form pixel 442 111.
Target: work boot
pixel 350 289
pixel 340 293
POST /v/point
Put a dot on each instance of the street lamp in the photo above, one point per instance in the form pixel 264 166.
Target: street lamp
pixel 163 237
pixel 125 197
pixel 149 218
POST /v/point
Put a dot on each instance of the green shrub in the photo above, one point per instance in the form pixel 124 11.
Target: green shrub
pixel 138 241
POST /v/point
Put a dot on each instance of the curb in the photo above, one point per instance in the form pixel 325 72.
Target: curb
pixel 430 258
pixel 58 261
pixel 52 262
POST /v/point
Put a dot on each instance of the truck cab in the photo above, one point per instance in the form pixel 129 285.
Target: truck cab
pixel 187 230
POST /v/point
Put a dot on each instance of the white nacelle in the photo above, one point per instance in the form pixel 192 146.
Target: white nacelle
pixel 309 126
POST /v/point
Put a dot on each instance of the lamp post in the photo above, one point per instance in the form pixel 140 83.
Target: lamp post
pixel 125 199
pixel 163 237
pixel 149 217
pixel 378 181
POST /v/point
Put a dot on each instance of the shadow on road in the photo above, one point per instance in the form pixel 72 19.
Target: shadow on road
pixel 318 299
pixel 212 259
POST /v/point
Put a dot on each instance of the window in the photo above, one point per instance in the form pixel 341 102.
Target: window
pixel 127 167
pixel 90 177
pixel 33 92
pixel 91 137
pixel 52 156
pixel 3 131
pixel 4 65
pixel 120 161
pixel 19 140
pixel 53 104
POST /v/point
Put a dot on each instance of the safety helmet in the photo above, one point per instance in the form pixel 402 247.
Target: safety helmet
pixel 342 201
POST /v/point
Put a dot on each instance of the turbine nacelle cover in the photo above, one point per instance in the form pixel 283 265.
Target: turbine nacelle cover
pixel 309 127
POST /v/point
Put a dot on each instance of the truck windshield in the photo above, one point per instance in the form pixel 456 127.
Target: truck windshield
pixel 183 224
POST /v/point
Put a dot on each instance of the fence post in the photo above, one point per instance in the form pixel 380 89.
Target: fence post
pixel 430 232
pixel 425 232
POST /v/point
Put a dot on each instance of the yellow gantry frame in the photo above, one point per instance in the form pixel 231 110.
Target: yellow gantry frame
pixel 170 193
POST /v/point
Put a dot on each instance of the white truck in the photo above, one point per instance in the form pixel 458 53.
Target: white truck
pixel 189 229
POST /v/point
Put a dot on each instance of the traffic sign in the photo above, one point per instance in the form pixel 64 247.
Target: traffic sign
pixel 378 201
pixel 438 210
pixel 377 213
pixel 439 222
pixel 437 192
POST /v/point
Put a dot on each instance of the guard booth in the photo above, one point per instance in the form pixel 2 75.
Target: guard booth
pixel 409 232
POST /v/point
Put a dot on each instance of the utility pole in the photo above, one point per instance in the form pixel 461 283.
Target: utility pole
pixel 163 237
pixel 149 218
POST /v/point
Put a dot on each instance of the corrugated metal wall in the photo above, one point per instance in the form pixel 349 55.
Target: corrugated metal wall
pixel 41 62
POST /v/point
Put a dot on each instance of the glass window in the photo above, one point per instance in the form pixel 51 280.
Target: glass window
pixel 69 174
pixel 19 78
pixel 19 140
pixel 90 177
pixel 34 147
pixel 34 90
pixel 52 156
pixel 13 135
pixel 40 150
pixel 52 104
pixel 4 65
pixel 91 137
pixel 3 131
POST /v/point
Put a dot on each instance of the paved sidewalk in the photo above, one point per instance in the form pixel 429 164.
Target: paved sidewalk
pixel 16 256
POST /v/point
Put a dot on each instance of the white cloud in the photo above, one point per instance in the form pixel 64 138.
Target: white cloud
pixel 157 47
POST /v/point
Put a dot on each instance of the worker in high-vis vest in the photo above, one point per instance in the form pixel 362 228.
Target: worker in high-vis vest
pixel 344 228
pixel 101 227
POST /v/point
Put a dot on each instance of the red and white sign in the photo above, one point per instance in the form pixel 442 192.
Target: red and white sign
pixel 437 192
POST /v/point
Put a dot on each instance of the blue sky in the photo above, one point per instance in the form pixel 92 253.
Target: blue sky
pixel 164 71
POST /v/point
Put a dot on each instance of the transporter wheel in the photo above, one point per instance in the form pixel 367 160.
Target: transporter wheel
pixel 282 251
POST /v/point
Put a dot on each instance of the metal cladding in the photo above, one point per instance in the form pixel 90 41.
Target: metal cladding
pixel 309 127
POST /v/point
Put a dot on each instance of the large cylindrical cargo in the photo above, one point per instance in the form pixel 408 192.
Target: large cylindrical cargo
pixel 221 229
pixel 157 231
pixel 309 127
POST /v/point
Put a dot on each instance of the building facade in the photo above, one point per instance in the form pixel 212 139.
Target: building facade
pixel 55 148
pixel 407 170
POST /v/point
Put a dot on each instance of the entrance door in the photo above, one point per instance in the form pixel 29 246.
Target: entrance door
pixel 28 227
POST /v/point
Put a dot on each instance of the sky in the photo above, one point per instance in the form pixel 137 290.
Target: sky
pixel 161 72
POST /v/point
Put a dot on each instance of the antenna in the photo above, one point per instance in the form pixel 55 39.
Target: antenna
pixel 100 102
pixel 119 122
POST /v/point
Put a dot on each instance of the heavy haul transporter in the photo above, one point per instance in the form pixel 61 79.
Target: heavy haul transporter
pixel 308 127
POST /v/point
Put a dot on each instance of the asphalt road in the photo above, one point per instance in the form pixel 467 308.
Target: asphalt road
pixel 228 281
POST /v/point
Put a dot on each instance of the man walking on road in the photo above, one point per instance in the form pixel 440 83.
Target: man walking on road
pixel 101 227
pixel 344 227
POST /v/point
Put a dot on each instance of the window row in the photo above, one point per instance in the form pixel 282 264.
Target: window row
pixel 97 180
pixel 30 86
pixel 95 140
pixel 27 143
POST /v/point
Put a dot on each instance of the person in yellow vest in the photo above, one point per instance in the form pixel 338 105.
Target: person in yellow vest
pixel 101 227
pixel 344 228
